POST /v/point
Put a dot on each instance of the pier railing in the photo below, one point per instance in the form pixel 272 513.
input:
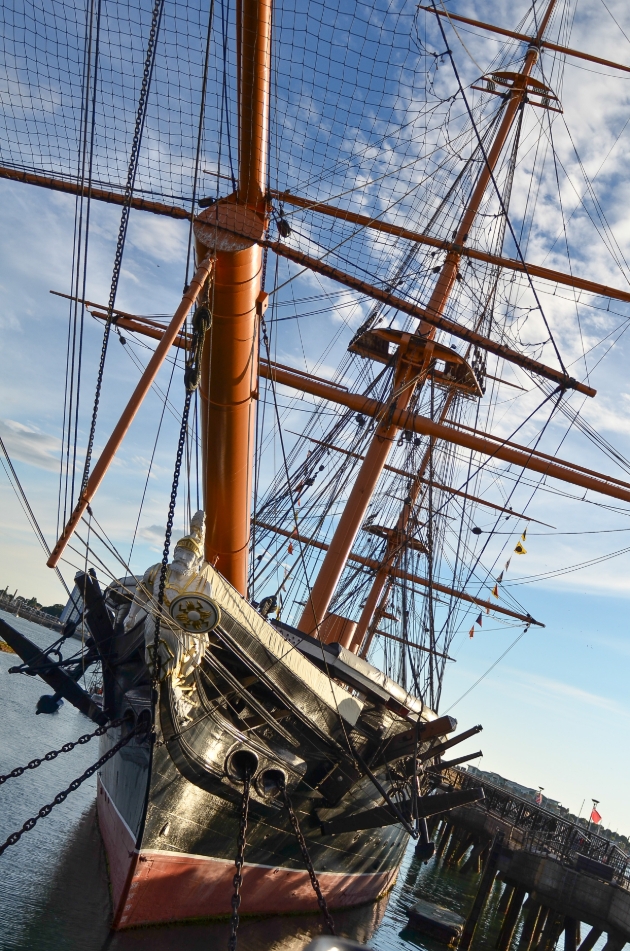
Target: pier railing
pixel 541 830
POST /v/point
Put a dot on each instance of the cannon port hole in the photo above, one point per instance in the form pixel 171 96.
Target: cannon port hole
pixel 242 762
pixel 271 782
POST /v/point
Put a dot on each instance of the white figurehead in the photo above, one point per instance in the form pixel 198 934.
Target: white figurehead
pixel 181 646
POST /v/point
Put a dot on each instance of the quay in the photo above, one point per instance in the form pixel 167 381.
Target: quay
pixel 556 876
pixel 20 608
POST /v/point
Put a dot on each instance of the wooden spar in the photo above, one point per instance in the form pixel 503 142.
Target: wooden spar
pixel 541 455
pixel 98 194
pixel 418 647
pixel 142 326
pixel 485 443
pixel 544 44
pixel 229 378
pixel 169 335
pixel 436 485
pixel 152 321
pixel 559 469
pixel 373 564
pixel 429 316
pixel 173 211
pixel 406 376
pixel 511 264
pixel 532 366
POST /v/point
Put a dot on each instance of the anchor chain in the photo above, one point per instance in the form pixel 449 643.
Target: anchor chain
pixel 132 169
pixel 66 748
pixel 240 859
pixel 167 539
pixel 15 837
pixel 321 901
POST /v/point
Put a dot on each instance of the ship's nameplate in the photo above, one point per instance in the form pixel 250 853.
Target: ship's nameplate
pixel 194 614
pixel 226 226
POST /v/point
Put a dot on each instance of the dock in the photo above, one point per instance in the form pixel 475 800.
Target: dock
pixel 556 877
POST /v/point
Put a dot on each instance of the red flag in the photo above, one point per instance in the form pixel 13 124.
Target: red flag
pixel 290 548
pixel 495 591
pixel 538 798
pixel 471 632
pixel 595 816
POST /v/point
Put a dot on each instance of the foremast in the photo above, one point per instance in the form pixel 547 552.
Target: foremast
pixel 230 364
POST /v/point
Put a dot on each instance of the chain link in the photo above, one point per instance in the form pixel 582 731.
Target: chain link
pixel 321 901
pixel 167 538
pixel 66 748
pixel 124 220
pixel 15 837
pixel 240 859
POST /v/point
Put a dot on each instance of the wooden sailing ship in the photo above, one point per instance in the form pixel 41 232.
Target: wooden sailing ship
pixel 220 692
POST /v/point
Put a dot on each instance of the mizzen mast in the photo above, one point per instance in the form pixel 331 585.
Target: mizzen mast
pixel 408 374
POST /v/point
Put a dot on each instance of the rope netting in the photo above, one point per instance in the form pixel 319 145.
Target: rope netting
pixel 366 115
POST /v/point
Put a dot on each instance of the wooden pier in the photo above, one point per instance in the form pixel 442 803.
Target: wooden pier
pixel 558 879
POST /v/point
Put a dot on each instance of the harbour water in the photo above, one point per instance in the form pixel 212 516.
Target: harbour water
pixel 54 893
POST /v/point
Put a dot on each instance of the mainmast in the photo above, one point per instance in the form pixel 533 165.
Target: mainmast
pixel 406 376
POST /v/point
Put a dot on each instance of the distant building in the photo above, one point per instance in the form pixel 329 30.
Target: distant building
pixel 524 792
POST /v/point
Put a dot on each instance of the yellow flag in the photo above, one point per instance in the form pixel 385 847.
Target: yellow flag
pixel 524 535
pixel 520 549
pixel 495 591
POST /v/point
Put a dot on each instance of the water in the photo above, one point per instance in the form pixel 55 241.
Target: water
pixel 54 893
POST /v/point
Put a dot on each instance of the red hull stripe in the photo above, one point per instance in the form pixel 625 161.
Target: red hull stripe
pixel 155 886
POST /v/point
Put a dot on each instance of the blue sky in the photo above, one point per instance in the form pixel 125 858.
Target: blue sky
pixel 556 709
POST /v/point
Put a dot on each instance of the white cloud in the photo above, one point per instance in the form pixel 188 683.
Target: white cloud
pixel 159 238
pixel 565 692
pixel 30 445
pixel 154 535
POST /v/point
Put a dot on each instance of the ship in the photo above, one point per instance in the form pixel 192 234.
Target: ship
pixel 274 683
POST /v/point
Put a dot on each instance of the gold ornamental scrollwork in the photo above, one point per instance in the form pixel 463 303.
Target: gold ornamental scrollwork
pixel 195 614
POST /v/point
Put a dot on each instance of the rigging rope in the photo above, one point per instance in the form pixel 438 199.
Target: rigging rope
pixel 124 219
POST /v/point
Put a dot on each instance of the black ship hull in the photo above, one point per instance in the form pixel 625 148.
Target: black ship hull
pixel 182 865
pixel 169 808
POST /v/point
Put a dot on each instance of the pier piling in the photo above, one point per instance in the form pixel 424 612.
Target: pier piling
pixel 511 917
pixel 485 886
pixel 570 934
pixel 591 939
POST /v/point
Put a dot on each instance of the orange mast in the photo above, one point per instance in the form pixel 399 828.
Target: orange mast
pixel 230 363
pixel 405 378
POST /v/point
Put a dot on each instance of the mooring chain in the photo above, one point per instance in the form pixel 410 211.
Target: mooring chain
pixel 321 901
pixel 66 748
pixel 62 796
pixel 240 859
